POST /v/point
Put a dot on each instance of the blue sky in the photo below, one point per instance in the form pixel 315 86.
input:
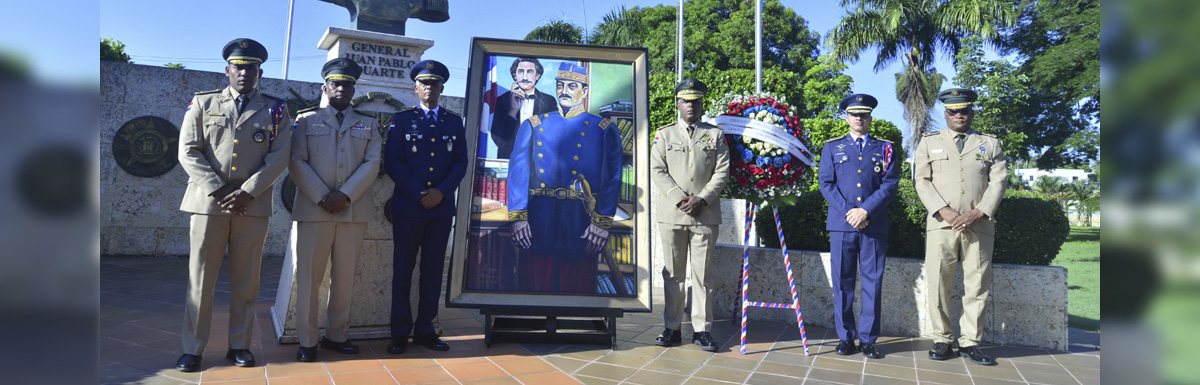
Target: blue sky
pixel 158 32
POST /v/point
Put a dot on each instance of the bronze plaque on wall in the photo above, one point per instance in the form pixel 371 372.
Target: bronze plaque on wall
pixel 146 146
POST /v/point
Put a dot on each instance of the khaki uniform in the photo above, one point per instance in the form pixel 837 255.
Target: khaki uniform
pixel 973 178
pixel 683 165
pixel 219 146
pixel 327 156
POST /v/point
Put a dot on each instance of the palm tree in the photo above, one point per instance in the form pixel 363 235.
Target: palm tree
pixel 1051 186
pixel 915 31
pixel 619 27
pixel 1077 193
pixel 557 31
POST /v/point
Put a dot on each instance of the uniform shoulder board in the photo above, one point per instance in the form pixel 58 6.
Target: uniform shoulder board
pixel 534 121
pixel 359 112
pixel 208 92
pixel 837 138
pixel 927 134
pixel 987 135
pixel 883 140
pixel 664 126
pixel 452 112
pixel 409 109
pixel 604 123
pixel 269 96
pixel 307 110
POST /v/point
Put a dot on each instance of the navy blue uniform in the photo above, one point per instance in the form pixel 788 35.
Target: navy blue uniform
pixel 422 154
pixel 852 178
pixel 565 174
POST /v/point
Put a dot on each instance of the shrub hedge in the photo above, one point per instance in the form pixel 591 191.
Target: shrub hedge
pixel 1030 228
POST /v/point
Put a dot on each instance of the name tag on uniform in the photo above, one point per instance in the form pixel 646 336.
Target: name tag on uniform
pixel 360 126
pixel 936 151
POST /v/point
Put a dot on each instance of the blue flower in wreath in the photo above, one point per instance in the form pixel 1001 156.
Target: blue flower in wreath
pixel 739 148
pixel 762 161
pixel 738 138
pixel 778 162
pixel 787 158
pixel 747 155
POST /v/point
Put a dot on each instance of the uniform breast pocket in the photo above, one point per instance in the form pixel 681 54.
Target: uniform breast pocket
pixel 359 138
pixel 318 139
pixel 939 161
pixel 213 125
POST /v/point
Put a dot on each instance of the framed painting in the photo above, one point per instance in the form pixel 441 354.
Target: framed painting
pixel 553 211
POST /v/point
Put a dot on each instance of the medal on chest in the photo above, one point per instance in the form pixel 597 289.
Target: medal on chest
pixel 411 134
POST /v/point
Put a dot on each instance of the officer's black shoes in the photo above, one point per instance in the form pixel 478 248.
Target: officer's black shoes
pixel 705 340
pixel 846 347
pixel 431 342
pixel 941 351
pixel 398 345
pixel 242 358
pixel 340 347
pixel 870 351
pixel 976 355
pixel 669 338
pixel 306 354
pixel 188 363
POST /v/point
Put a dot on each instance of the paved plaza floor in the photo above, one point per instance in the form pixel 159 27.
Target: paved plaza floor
pixel 141 315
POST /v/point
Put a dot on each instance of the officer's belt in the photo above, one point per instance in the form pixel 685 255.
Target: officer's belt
pixel 560 193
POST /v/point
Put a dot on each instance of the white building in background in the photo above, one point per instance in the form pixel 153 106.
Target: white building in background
pixel 1070 175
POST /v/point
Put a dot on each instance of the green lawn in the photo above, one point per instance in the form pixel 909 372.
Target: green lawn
pixel 1081 256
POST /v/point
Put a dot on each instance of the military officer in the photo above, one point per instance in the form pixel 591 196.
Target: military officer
pixel 233 144
pixel 960 177
pixel 427 158
pixel 564 180
pixel 689 163
pixel 335 159
pixel 858 176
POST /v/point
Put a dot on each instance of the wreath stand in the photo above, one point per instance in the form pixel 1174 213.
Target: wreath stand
pixel 744 300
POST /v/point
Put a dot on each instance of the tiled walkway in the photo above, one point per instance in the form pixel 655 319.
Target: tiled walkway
pixel 141 316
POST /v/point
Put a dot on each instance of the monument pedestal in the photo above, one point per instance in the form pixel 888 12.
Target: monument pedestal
pixel 383 89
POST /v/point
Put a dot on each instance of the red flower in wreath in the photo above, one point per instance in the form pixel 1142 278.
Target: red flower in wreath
pixel 762 184
pixel 742 180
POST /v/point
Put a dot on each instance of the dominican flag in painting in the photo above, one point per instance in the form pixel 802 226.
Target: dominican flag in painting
pixel 492 90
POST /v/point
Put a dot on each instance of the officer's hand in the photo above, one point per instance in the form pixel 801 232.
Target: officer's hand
pixel 691 205
pixel 964 221
pixel 223 192
pixel 334 201
pixel 948 214
pixel 431 198
pixel 596 238
pixel 856 216
pixel 863 225
pixel 521 234
pixel 236 201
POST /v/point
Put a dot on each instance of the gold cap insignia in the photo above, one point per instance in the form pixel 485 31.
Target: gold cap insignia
pixel 430 65
pixel 954 93
pixel 344 64
pixel 691 84
pixel 860 98
pixel 244 44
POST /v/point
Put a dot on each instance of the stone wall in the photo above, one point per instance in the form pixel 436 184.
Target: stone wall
pixel 1027 305
pixel 140 216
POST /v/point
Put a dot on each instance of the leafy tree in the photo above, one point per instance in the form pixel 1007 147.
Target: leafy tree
pixel 174 65
pixel 914 31
pixel 825 85
pixel 1030 119
pixel 113 50
pixel 1060 40
pixel 557 31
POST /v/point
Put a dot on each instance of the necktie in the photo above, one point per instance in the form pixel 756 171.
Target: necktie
pixel 340 116
pixel 429 115
pixel 859 142
pixel 691 129
pixel 959 140
pixel 241 103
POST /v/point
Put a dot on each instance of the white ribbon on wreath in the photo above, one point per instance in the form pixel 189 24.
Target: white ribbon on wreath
pixel 757 129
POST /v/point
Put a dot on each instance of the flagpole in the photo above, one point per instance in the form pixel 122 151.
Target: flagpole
pixel 287 40
pixel 758 46
pixel 679 45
